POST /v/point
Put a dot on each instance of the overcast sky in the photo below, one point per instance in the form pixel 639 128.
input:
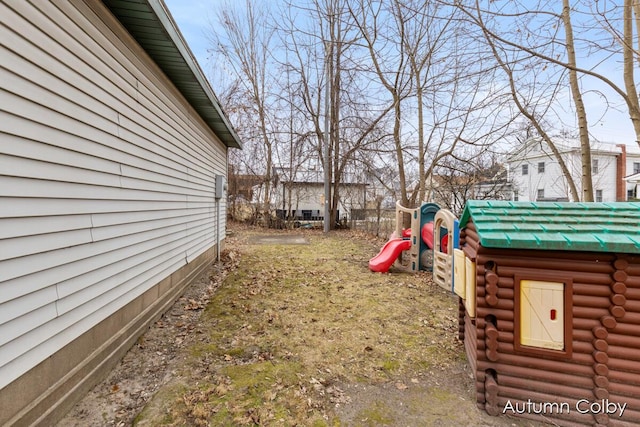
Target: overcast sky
pixel 195 18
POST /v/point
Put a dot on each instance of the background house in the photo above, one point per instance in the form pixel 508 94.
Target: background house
pixel 113 153
pixel 633 192
pixel 536 174
pixel 299 195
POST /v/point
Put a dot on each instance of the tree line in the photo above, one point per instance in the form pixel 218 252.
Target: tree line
pixel 402 91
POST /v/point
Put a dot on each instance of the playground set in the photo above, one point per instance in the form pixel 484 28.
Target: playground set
pixel 428 243
pixel 549 306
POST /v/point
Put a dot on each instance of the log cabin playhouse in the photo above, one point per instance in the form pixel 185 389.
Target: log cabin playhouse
pixel 550 309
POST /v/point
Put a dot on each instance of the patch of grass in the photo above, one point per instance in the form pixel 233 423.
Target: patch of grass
pixel 375 415
pixel 163 408
pixel 390 364
pixel 293 322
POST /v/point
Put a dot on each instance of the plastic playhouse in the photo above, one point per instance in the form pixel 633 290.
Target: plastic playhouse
pixel 550 309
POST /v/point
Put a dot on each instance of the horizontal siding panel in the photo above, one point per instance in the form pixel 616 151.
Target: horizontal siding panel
pixel 85 107
pixel 204 241
pixel 23 167
pixel 107 219
pixel 14 309
pixel 25 187
pixel 59 59
pixel 130 228
pixel 30 226
pixel 161 175
pixel 24 323
pixel 90 288
pixel 15 206
pixel 138 135
pixel 58 266
pixel 77 137
pixel 35 169
pixel 149 185
pixel 29 324
pixel 109 72
pixel 24 352
pixel 206 183
pixel 30 149
pixel 28 245
pixel 20 167
pixel 34 114
pixel 21 87
pixel 120 262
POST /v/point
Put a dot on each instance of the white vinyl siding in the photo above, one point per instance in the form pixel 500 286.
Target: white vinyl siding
pixel 106 177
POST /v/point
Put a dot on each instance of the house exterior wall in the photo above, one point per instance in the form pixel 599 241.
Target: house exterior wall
pixel 600 357
pixel 552 182
pixel 107 205
pixel 310 196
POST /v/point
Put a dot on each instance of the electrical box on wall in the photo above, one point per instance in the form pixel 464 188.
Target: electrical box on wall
pixel 220 187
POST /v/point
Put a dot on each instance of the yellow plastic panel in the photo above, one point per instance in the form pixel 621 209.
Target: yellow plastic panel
pixel 459 283
pixel 542 314
pixel 470 287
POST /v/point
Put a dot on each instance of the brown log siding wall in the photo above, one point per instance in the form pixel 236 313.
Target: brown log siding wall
pixel 602 352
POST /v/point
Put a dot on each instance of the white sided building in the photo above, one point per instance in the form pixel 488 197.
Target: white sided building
pixel 536 174
pixel 113 157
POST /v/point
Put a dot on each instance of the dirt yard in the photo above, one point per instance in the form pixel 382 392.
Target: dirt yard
pixel 292 329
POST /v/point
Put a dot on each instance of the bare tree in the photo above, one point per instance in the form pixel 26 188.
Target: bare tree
pixel 474 174
pixel 612 17
pixel 244 40
pixel 323 52
pixel 530 106
pixel 536 40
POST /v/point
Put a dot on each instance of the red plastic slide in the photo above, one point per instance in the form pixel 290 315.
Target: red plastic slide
pixel 388 254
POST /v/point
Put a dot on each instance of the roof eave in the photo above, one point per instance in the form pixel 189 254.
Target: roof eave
pixel 181 68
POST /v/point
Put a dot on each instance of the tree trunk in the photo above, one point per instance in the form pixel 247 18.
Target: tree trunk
pixel 628 68
pixel 585 147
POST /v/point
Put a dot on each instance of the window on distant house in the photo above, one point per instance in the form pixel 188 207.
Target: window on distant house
pixel 631 194
pixel 636 167
pixel 540 194
pixel 598 195
pixel 594 166
pixel 515 195
pixel 525 169
pixel 541 167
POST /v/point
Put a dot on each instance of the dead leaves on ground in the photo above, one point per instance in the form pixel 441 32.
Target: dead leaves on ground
pixel 291 323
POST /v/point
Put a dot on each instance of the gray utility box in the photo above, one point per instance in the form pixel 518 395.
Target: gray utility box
pixel 220 187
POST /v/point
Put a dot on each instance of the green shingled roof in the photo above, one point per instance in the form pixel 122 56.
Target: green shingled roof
pixel 593 227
